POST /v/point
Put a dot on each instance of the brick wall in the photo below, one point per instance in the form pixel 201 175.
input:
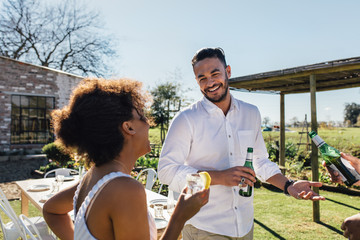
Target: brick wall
pixel 22 78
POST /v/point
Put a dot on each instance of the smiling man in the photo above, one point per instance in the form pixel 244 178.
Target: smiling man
pixel 213 135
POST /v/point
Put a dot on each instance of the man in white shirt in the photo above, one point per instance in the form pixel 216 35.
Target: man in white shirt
pixel 213 135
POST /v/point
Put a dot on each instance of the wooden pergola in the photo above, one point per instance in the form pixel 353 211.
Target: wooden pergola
pixel 331 75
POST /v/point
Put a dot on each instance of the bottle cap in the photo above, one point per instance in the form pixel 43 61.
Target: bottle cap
pixel 250 150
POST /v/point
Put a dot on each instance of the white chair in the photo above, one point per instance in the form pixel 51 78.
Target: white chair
pixel 62 171
pixel 13 229
pixel 31 232
pixel 151 176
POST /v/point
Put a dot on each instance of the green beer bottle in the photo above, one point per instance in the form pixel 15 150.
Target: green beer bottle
pixel 332 159
pixel 247 191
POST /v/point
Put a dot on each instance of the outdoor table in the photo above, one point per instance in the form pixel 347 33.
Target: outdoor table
pixel 35 196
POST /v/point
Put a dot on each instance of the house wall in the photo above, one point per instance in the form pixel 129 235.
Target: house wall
pixel 22 78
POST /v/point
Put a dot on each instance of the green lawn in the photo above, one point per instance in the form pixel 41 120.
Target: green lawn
pixel 344 139
pixel 280 217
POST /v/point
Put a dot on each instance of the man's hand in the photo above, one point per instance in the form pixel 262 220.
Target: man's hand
pixel 301 190
pixel 351 227
pixel 232 176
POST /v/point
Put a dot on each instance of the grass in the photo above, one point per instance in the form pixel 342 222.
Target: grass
pixel 154 135
pixel 344 139
pixel 16 205
pixel 280 217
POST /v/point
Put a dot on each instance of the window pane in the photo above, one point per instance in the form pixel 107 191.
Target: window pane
pixel 50 103
pixel 41 102
pixel 32 137
pixel 15 126
pixel 25 112
pixel 23 137
pixel 15 101
pixel 34 126
pixel 15 111
pixel 33 113
pixel 41 113
pixel 24 101
pixel 33 102
pixel 42 125
pixel 24 124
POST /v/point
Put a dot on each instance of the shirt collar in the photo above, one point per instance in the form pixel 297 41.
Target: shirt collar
pixel 210 107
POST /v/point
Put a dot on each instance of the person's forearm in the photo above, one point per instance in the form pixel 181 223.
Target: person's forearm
pixel 61 225
pixel 173 229
pixel 278 180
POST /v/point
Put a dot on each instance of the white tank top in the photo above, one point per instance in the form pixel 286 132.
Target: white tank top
pixel 81 229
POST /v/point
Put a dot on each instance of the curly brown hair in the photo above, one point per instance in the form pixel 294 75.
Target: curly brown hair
pixel 91 122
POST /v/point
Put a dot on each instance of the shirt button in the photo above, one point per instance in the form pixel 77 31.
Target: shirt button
pixel 235 208
pixel 230 154
pixel 229 136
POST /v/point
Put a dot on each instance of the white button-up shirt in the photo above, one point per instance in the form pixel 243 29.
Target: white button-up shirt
pixel 201 137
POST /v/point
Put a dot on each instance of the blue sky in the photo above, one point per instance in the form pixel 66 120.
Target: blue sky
pixel 159 37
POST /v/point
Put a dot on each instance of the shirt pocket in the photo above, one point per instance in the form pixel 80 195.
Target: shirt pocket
pixel 246 139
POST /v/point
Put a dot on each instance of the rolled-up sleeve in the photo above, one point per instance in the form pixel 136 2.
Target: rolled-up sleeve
pixel 263 167
pixel 172 168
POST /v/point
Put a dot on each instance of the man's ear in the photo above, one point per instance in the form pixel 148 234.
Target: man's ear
pixel 127 128
pixel 228 71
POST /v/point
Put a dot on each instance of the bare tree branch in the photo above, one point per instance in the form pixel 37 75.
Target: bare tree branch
pixel 64 35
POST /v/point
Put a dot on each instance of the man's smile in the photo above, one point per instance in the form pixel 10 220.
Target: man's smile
pixel 213 89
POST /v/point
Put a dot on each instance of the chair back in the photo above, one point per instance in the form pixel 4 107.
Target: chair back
pixel 151 176
pixel 27 224
pixel 62 171
pixel 13 229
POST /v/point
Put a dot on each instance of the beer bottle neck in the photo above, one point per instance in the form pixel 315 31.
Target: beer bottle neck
pixel 318 141
pixel 249 157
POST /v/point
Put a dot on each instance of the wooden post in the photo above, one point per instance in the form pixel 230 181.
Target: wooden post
pixel 314 150
pixel 282 133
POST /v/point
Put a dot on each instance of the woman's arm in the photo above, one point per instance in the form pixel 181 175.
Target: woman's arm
pixel 185 209
pixel 56 213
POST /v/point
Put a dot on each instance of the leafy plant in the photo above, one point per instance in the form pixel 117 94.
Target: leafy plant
pixel 56 152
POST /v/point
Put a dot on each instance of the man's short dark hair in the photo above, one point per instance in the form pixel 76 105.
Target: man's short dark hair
pixel 209 53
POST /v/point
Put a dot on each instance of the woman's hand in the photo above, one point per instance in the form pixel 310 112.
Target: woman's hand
pixel 188 205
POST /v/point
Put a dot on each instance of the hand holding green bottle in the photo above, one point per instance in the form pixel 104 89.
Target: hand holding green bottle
pixel 354 162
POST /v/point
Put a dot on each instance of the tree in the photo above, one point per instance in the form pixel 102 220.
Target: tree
pixel 168 98
pixel 64 35
pixel 266 121
pixel 294 122
pixel 351 112
pixel 166 102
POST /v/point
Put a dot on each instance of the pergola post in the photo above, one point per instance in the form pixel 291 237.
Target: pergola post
pixel 314 150
pixel 282 133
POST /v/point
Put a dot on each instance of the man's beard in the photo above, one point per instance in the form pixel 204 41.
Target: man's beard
pixel 223 96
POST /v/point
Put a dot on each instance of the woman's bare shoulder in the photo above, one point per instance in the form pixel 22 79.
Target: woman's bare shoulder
pixel 124 186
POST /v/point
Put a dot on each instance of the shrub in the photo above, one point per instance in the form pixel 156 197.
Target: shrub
pixel 56 152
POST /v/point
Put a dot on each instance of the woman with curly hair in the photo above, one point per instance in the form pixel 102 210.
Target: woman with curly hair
pixel 105 122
